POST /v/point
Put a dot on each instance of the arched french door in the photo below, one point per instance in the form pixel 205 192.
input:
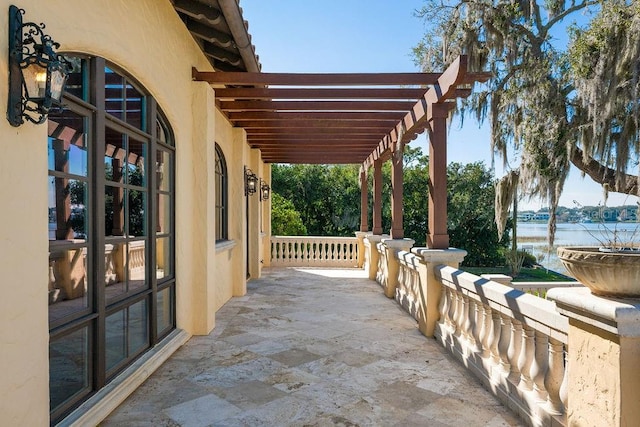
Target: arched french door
pixel 111 231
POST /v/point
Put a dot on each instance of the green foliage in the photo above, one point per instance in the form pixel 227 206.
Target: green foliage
pixel 549 106
pixel 327 199
pixel 471 218
pixel 529 260
pixel 285 219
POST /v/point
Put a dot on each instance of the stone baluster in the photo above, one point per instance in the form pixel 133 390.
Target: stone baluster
pixel 555 376
pixel 540 364
pixel 286 251
pixel 466 318
pixel 503 343
pixel 443 308
pixel 457 319
pixel 485 329
pixel 303 249
pixel 474 314
pixel 515 347
pixel 452 310
pixel 564 387
pixel 494 337
pixel 526 357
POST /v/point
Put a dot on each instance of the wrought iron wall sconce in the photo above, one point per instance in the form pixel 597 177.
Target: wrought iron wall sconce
pixel 37 74
pixel 264 190
pixel 250 182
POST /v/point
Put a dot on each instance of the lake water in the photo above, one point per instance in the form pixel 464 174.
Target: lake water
pixel 533 238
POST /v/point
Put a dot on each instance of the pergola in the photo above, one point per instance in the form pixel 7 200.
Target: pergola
pixel 362 119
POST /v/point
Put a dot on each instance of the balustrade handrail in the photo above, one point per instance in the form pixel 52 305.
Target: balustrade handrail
pixel 315 238
pixel 545 285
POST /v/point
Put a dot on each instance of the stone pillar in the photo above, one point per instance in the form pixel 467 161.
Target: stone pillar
pixel 364 201
pixel 604 350
pixel 392 247
pixel 377 197
pixel 360 236
pixel 370 243
pixel 438 238
pixel 431 286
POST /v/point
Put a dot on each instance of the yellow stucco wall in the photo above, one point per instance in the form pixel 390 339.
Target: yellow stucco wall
pixel 604 377
pixel 147 40
pixel 596 378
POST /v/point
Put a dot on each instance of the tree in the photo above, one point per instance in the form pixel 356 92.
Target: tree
pixel 470 218
pixel 285 219
pixel 552 106
pixel 328 201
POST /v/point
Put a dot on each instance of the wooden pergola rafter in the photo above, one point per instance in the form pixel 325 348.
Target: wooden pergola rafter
pixel 349 118
pixel 358 115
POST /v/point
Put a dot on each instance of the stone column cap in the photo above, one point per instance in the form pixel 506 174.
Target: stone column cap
pixel 376 237
pixel 443 256
pixel 402 244
pixel 361 234
pixel 620 316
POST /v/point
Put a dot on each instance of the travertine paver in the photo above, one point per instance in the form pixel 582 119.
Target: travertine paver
pixel 312 347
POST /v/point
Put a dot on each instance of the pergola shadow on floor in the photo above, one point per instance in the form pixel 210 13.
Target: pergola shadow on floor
pixel 312 347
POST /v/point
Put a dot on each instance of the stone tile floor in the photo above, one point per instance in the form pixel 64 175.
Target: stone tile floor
pixel 312 347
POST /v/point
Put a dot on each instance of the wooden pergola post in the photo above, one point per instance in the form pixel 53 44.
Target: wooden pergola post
pixel 377 196
pixel 438 238
pixel 397 176
pixel 364 200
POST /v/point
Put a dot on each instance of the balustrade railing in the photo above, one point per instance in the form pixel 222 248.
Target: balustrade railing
pixel 516 343
pixel 312 251
pixel 408 289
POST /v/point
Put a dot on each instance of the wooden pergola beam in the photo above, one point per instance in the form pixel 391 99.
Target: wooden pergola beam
pixel 320 142
pixel 317 131
pixel 386 116
pixel 318 123
pixel 315 79
pixel 315 105
pixel 369 140
pixel 308 93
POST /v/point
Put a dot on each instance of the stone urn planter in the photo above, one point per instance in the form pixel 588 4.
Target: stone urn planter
pixel 604 271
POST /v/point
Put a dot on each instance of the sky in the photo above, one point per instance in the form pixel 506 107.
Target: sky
pixel 356 36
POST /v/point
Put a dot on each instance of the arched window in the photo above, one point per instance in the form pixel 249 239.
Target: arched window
pixel 111 231
pixel 222 232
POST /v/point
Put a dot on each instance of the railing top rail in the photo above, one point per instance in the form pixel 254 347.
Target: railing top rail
pixel 330 238
pixel 537 313
pixel 549 285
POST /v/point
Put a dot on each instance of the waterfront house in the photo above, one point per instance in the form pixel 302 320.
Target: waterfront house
pixel 152 185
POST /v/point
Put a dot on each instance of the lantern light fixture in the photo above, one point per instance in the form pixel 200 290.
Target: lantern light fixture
pixel 37 74
pixel 250 182
pixel 264 190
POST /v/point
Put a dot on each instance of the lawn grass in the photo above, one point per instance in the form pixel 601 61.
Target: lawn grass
pixel 527 274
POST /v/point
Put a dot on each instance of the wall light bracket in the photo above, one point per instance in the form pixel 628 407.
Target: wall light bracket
pixel 37 74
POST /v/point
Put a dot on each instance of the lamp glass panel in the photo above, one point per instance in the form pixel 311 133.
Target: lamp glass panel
pixel 251 183
pixel 58 78
pixel 35 80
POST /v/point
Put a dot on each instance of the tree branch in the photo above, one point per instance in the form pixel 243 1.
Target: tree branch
pixel 569 11
pixel 619 183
